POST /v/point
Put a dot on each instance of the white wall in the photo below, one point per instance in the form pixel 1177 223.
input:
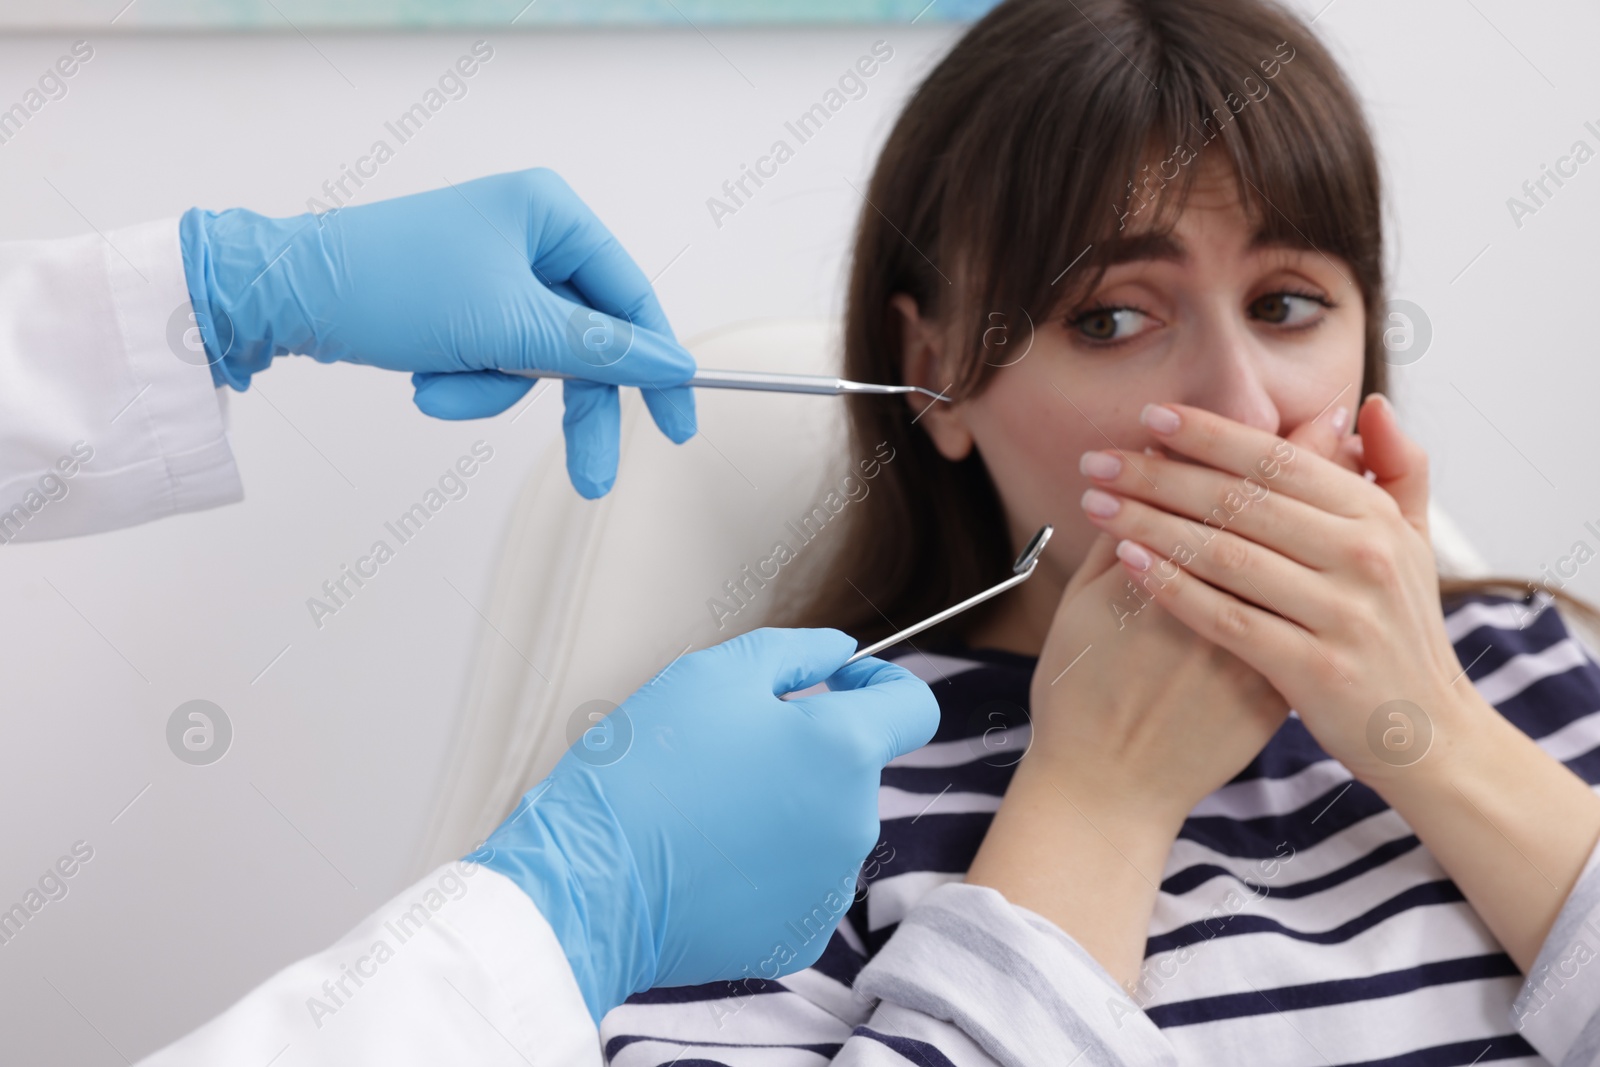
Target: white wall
pixel 217 875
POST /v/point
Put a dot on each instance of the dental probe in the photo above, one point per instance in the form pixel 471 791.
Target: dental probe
pixel 1022 570
pixel 763 381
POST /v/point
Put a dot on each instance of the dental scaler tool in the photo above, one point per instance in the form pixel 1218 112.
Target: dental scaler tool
pixel 1022 570
pixel 762 381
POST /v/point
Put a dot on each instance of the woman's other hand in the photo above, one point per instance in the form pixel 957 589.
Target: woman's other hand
pixel 1135 719
pixel 1134 711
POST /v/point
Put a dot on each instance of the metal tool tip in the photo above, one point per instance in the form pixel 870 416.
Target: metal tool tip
pixel 1030 554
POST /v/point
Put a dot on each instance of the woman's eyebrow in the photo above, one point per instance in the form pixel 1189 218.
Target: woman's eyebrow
pixel 1142 246
pixel 1265 241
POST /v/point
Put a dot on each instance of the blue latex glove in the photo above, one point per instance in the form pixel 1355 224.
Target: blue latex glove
pixel 508 271
pixel 708 829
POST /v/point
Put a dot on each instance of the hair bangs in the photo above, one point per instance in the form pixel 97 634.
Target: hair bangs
pixel 1096 138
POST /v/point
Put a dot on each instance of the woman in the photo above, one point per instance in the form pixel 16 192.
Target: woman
pixel 1139 244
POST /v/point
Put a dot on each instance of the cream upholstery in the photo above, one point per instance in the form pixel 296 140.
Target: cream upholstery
pixel 591 598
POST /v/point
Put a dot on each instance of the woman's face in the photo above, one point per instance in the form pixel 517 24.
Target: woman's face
pixel 1267 335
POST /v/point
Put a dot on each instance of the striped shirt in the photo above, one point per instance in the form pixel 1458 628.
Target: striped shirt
pixel 1299 920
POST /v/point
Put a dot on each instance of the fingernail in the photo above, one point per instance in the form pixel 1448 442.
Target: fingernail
pixel 1100 465
pixel 1158 418
pixel 1100 504
pixel 1341 419
pixel 1131 553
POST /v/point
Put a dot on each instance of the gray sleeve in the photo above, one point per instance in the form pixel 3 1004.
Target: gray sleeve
pixel 968 971
pixel 1557 1010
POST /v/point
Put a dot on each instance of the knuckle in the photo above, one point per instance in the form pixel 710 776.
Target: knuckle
pixel 546 186
pixel 1210 430
pixel 1386 507
pixel 1373 561
pixel 1347 617
pixel 1232 554
pixel 1232 621
pixel 543 178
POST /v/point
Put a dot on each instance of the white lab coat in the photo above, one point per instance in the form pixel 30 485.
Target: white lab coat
pixel 102 425
pixel 458 969
pixel 86 370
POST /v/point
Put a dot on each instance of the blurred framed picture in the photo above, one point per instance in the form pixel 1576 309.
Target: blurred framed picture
pixel 433 14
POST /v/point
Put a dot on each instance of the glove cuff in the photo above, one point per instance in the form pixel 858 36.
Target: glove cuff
pixel 240 269
pixel 564 848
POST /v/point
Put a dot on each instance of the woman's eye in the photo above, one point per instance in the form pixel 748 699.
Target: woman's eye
pixel 1109 324
pixel 1286 309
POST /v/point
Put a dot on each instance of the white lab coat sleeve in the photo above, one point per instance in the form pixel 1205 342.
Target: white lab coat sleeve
pixel 461 968
pixel 108 415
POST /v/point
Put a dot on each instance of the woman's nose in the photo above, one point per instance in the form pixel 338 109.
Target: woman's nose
pixel 1227 378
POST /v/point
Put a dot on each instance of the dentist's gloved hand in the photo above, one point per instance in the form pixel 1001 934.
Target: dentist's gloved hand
pixel 706 827
pixel 507 271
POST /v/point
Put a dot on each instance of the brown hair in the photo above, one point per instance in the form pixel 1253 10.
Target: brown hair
pixel 1004 188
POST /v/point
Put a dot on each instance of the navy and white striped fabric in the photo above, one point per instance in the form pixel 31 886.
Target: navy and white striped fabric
pixel 1300 920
